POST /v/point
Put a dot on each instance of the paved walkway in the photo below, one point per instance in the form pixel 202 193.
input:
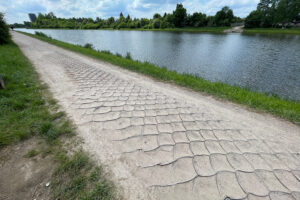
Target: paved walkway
pixel 163 142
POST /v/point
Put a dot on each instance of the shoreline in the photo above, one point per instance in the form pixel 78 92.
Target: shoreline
pixel 214 30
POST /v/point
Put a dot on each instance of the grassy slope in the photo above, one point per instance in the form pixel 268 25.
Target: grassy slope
pixel 285 109
pixel 22 107
pixel 26 110
pixel 295 31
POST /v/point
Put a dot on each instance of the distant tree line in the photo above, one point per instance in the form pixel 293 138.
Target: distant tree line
pixel 177 19
pixel 274 13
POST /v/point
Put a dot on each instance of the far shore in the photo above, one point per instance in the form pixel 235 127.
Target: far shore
pixel 294 31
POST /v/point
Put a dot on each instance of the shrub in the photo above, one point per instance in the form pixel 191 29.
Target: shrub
pixel 119 55
pixel 156 23
pixel 4 30
pixel 41 34
pixel 106 52
pixel 88 46
pixel 128 56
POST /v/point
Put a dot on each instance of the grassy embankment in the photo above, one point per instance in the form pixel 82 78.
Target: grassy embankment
pixel 286 109
pixel 28 110
pixel 295 31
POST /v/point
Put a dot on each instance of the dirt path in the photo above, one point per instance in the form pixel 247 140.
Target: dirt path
pixel 163 142
pixel 237 29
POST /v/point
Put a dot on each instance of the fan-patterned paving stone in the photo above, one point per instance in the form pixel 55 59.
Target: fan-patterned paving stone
pixel 228 186
pixel 214 147
pixel 220 163
pixel 271 181
pixel 194 136
pixel 288 179
pixel 239 162
pixel 257 161
pixel 180 150
pixel 198 148
pixel 229 147
pixel 251 183
pixel 203 166
pixel 178 145
pixel 281 196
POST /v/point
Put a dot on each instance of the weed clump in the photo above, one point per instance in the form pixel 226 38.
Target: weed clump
pixel 41 34
pixel 128 56
pixel 32 153
pixel 88 46
pixel 118 55
pixel 78 178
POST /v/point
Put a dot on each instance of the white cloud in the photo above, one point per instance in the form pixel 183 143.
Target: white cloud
pixel 17 10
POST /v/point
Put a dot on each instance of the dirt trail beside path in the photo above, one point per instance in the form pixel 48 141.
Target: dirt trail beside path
pixel 160 141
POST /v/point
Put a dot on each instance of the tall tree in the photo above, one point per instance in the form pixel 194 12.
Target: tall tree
pixel 179 16
pixel 32 17
pixel 224 17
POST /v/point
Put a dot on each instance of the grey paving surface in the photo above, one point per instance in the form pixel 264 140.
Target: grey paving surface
pixel 173 148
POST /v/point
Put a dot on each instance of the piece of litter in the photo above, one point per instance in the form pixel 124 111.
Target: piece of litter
pixel 47 184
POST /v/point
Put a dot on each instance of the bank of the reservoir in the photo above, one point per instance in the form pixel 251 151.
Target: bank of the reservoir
pixel 286 109
pixel 294 31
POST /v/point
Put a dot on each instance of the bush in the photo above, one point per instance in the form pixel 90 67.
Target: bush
pixel 156 23
pixel 4 30
pixel 128 56
pixel 119 55
pixel 88 46
pixel 41 34
pixel 106 52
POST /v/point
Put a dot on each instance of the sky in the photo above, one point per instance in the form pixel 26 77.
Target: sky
pixel 16 11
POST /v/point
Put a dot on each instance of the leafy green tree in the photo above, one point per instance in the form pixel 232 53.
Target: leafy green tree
pixel 253 19
pixel 270 13
pixel 179 16
pixel 224 17
pixel 287 11
pixel 32 17
pixel 110 20
pixel 163 24
pixel 128 18
pixel 156 23
pixel 122 18
pixel 4 30
pixel 197 19
pixel 144 22
pixel 156 16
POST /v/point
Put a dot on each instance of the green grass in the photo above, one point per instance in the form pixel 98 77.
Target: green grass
pixel 295 31
pixel 23 109
pixel 286 109
pixel 32 153
pixel 27 110
pixel 79 178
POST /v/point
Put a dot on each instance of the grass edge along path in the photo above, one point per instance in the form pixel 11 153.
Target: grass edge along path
pixel 28 110
pixel 283 108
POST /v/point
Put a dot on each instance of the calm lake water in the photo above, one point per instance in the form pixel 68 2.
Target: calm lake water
pixel 264 63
